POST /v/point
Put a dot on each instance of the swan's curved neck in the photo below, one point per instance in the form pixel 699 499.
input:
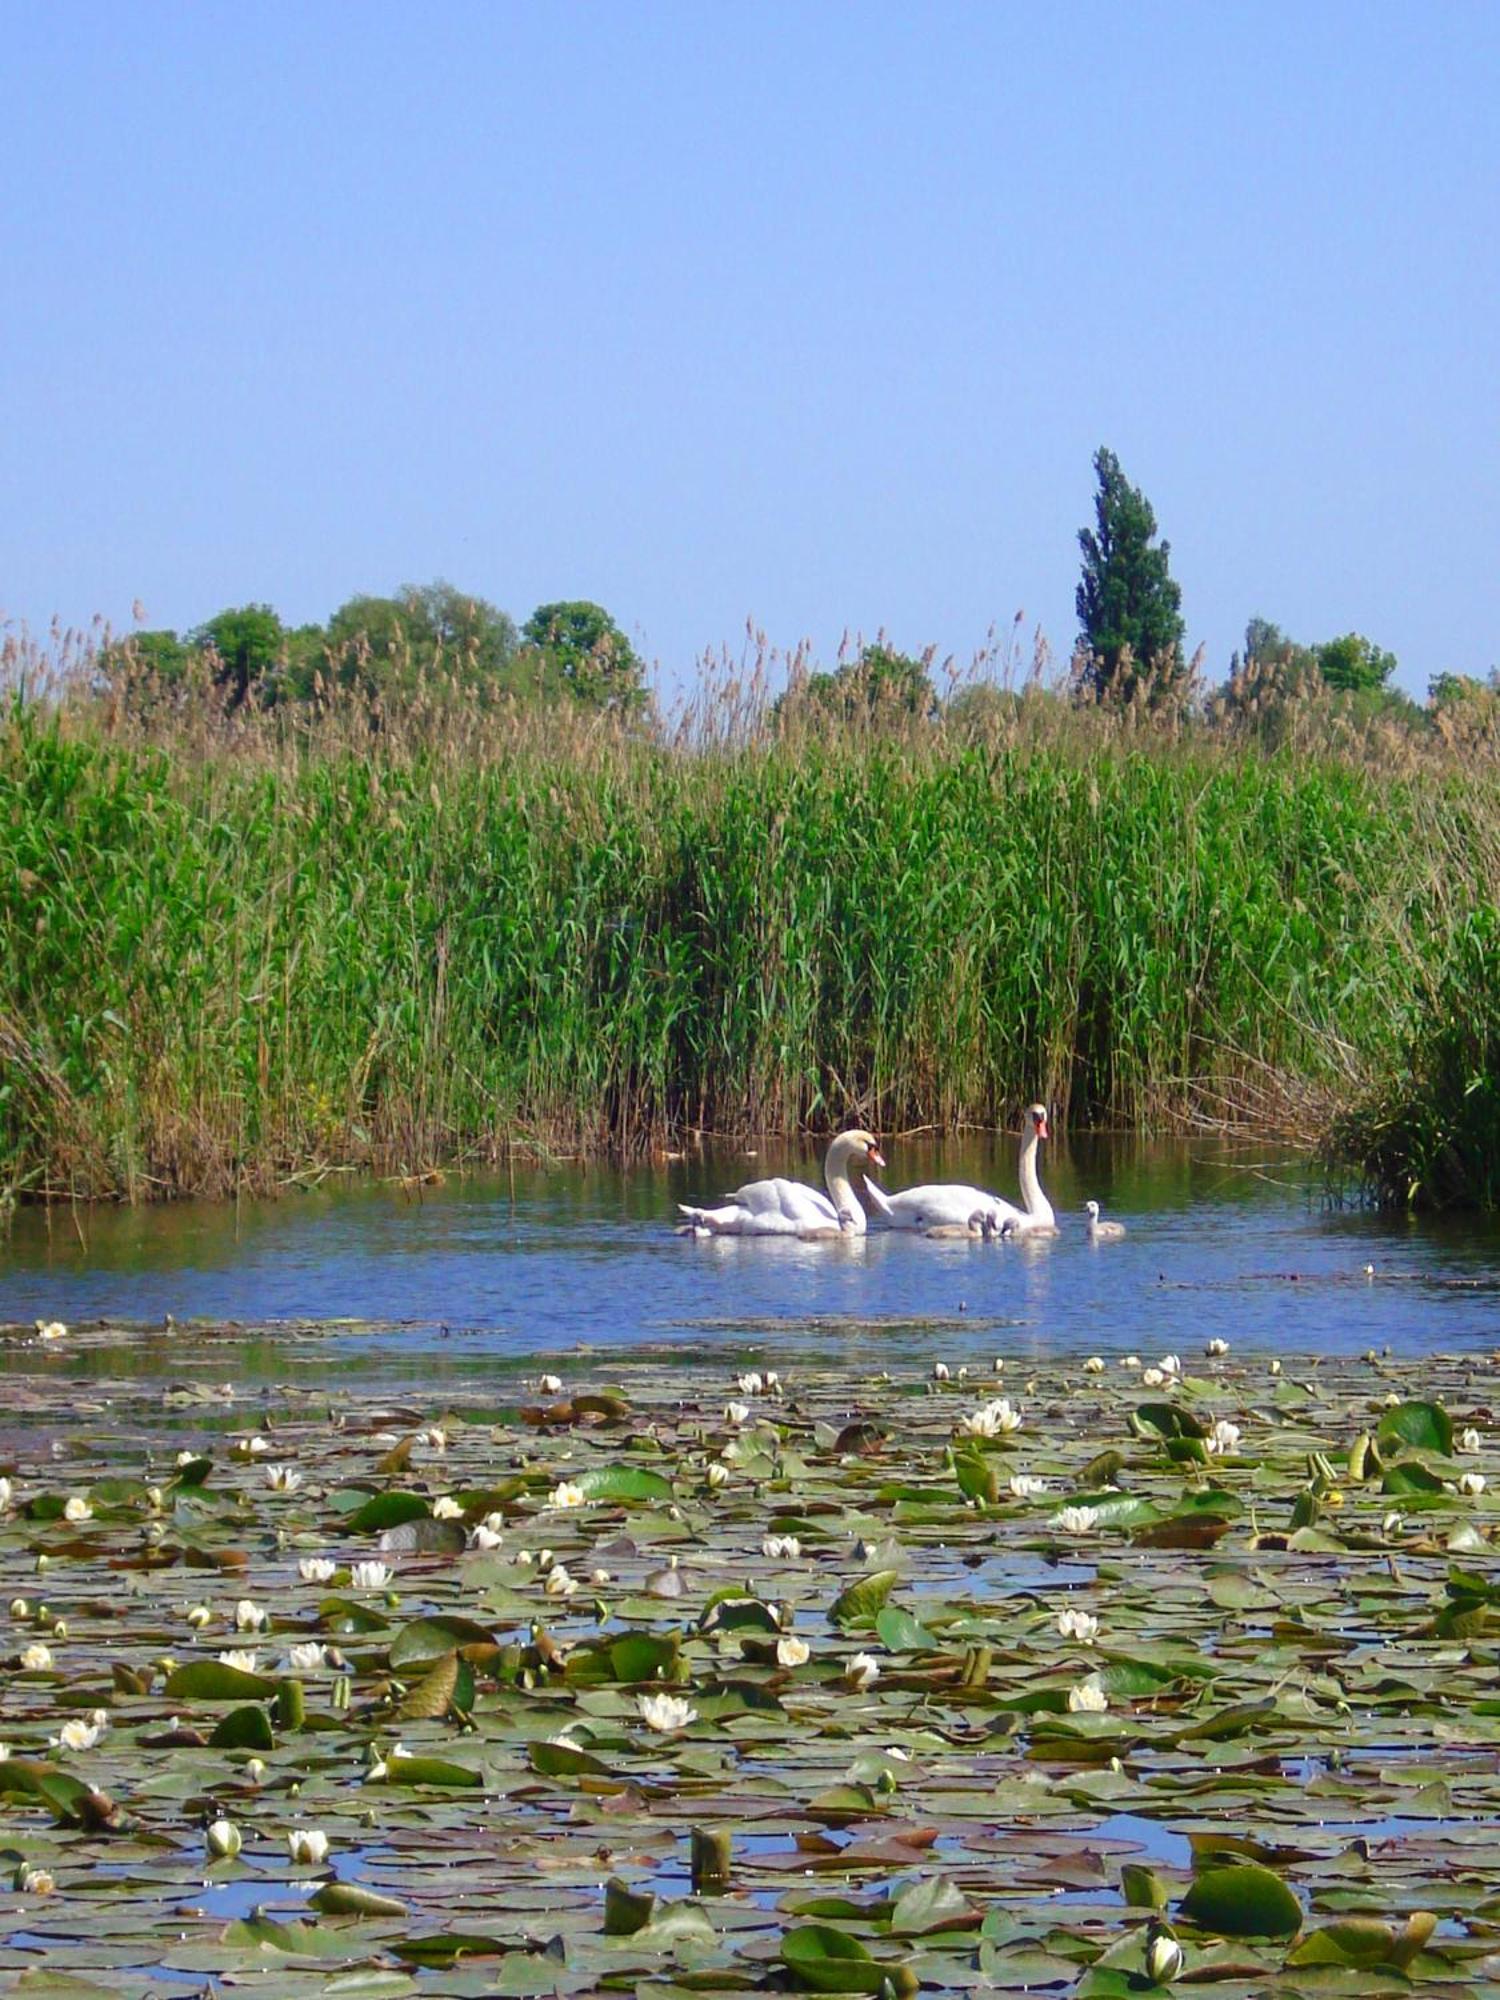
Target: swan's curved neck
pixel 1033 1200
pixel 836 1179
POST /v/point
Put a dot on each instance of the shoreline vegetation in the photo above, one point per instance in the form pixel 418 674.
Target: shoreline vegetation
pixel 244 947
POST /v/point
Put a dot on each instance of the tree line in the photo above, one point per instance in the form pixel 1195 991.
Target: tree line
pixel 382 648
pixel 1130 650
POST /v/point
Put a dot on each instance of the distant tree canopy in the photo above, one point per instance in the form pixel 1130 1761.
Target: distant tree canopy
pixel 383 648
pixel 1129 608
pixel 1352 664
pixel 584 650
pixel 880 685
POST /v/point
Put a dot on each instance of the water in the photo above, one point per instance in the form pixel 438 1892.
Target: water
pixel 1222 1241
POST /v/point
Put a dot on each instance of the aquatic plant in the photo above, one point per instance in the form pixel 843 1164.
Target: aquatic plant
pixel 1248 1723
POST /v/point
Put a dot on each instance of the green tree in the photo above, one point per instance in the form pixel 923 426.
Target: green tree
pixel 383 645
pixel 1129 608
pixel 881 685
pixel 579 646
pixel 244 647
pixel 1354 665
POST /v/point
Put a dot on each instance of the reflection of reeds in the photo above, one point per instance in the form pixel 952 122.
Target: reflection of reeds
pixel 243 947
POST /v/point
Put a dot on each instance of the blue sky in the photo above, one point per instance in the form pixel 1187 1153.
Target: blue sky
pixel 813 315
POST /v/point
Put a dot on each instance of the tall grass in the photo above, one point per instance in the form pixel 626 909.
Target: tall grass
pixel 236 952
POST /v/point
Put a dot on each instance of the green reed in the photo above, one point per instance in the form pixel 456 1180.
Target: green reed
pixel 232 956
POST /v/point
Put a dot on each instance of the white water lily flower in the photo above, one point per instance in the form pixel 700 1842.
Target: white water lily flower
pixel 781 1546
pixel 999 1364
pixel 1087 1698
pixel 665 1713
pixel 862 1671
pixel 567 1493
pixel 773 1382
pixel 736 1413
pixel 484 1537
pixel 51 1329
pixel 434 1437
pixel 792 1652
pixel 446 1508
pixel 1274 1367
pixel 76 1734
pixel 77 1508
pixel 223 1839
pixel 1471 1484
pixel 718 1474
pixel 253 1446
pixel 1164 1959
pixel 307 1656
pixel 1470 1440
pixel 550 1385
pixel 1080 1625
pixel 283 1478
pixel 371 1575
pixel 940 1371
pixel 316 1569
pixel 1170 1364
pixel 895 1750
pixel 565 1741
pixel 307 1845
pixel 1094 1365
pixel 1076 1520
pixel 1025 1486
pixel 559 1583
pixel 7 1494
pixel 1131 1361
pixel 992 1419
pixel 36 1658
pixel 495 1522
pixel 36 1881
pixel 239 1656
pixel 599 1577
pixel 1391 1523
pixel 750 1384
pixel 4 1752
pixel 250 1616
pixel 1153 1378
pixel 1216 1347
pixel 1223 1439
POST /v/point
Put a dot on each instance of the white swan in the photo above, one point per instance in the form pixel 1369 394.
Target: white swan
pixel 788 1208
pixel 1102 1232
pixel 948 1204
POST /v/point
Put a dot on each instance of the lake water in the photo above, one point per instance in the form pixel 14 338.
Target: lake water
pixel 480 1273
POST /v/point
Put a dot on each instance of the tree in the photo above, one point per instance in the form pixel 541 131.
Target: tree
pixel 881 685
pixel 244 646
pixel 1128 606
pixel 381 645
pixel 1354 665
pixel 580 645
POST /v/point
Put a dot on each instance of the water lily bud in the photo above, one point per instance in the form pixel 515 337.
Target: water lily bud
pixel 1275 1367
pixel 307 1845
pixel 718 1474
pixel 44 1561
pixel 19 1608
pixel 199 1615
pixel 255 1770
pixel 1163 1958
pixel 154 1534
pixel 223 1839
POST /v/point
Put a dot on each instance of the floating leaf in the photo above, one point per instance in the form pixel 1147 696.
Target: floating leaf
pixel 1243 1901
pixel 859 1603
pixel 1420 1424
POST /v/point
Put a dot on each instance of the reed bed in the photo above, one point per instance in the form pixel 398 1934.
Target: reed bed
pixel 243 951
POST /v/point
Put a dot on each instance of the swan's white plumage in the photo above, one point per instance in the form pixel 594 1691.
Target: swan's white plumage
pixel 949 1205
pixel 1102 1232
pixel 778 1207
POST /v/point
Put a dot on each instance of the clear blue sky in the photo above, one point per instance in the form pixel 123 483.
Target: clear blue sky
pixel 813 314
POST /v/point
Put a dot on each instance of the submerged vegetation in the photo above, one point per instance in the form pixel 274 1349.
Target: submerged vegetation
pixel 700 1679
pixel 249 944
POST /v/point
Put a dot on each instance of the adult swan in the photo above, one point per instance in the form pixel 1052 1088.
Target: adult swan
pixel 946 1204
pixel 788 1208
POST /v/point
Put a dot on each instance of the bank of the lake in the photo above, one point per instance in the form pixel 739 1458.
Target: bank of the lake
pixel 232 959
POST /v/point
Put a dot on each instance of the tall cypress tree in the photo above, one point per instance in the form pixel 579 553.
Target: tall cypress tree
pixel 1128 606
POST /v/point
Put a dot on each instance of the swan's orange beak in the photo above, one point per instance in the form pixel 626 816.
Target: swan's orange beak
pixel 874 1157
pixel 1039 1119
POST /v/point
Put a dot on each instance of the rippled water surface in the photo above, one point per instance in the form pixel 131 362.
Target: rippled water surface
pixel 1235 1242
